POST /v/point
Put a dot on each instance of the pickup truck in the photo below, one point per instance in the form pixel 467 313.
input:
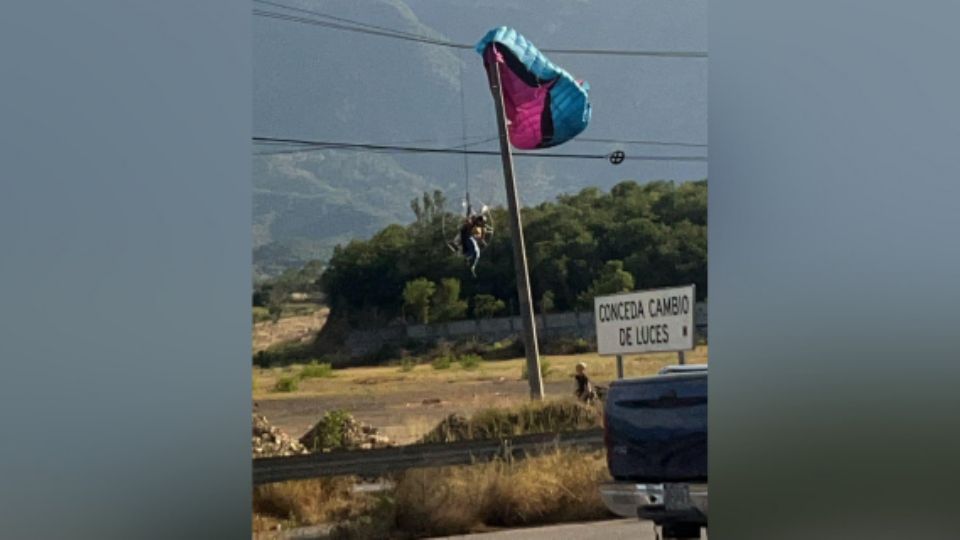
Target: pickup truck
pixel 655 432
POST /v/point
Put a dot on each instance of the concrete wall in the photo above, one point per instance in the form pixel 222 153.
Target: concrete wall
pixel 549 326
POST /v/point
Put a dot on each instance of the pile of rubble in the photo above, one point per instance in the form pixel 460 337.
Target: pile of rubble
pixel 338 430
pixel 453 428
pixel 270 441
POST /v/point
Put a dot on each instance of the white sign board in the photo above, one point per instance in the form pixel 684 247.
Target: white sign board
pixel 659 320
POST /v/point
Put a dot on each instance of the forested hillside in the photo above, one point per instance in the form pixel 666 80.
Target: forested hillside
pixel 594 242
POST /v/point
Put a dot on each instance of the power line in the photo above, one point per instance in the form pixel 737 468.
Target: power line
pixel 366 28
pixel 391 148
pixel 651 143
pixel 341 19
pixel 325 24
pixel 493 138
pixel 336 145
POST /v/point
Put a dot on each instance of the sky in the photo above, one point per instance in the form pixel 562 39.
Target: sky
pixel 318 83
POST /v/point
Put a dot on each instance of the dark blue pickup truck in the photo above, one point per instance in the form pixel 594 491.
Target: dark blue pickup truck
pixel 655 430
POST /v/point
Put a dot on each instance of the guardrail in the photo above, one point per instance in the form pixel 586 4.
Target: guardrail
pixel 383 460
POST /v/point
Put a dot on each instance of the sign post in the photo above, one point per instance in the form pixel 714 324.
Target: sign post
pixel 657 320
pixel 519 251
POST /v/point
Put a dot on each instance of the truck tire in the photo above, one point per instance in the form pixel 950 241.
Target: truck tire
pixel 679 531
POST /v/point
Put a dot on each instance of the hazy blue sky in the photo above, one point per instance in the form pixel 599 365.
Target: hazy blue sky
pixel 319 83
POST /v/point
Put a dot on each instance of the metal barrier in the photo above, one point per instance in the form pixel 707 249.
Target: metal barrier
pixel 383 460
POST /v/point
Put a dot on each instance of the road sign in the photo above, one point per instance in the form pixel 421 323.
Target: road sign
pixel 658 320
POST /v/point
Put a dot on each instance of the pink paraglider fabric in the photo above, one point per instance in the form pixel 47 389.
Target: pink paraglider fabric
pixel 545 105
pixel 524 104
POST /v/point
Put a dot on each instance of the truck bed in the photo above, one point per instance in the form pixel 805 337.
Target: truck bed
pixel 656 428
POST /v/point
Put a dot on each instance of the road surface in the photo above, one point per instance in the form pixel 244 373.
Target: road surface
pixel 617 529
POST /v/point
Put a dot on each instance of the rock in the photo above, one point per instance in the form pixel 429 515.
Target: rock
pixel 354 434
pixel 269 441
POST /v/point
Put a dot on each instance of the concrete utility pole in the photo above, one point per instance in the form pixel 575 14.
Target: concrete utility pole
pixel 516 228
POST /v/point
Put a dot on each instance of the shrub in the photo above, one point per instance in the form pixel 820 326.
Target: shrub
pixel 286 384
pixel 567 346
pixel 442 362
pixel 387 352
pixel 560 486
pixel 336 360
pixel 504 350
pixel 469 361
pixel 260 314
pixel 329 432
pixel 316 370
pixel 307 502
pixel 407 364
pixel 282 354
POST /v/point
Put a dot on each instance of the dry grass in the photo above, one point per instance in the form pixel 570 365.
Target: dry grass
pixel 297 328
pixel 532 417
pixel 390 379
pixel 306 502
pixel 553 488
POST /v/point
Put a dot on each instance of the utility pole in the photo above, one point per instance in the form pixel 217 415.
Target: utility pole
pixel 516 228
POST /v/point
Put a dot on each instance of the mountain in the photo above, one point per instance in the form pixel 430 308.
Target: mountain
pixel 319 83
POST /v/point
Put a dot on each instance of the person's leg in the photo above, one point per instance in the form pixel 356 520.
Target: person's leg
pixel 474 256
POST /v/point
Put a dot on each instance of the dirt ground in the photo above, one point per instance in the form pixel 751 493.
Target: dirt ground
pixel 288 329
pixel 405 405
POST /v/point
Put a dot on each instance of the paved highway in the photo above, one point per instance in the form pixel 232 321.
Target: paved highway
pixel 617 529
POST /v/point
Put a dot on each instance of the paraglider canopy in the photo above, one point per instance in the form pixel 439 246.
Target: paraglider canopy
pixel 544 104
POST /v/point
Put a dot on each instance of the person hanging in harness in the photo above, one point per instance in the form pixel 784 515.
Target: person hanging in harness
pixel 472 239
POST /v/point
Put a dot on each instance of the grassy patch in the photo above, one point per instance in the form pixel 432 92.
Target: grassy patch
pixel 306 502
pixel 531 417
pixel 442 362
pixel 545 366
pixel 567 346
pixel 260 314
pixel 469 361
pixel 299 309
pixel 287 384
pixel 392 385
pixel 316 370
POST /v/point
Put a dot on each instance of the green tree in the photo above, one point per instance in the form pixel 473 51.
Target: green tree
pixel 486 306
pixel 416 297
pixel 657 229
pixel 546 302
pixel 447 305
pixel 614 279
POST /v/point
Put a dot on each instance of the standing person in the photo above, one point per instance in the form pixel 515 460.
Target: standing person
pixel 584 391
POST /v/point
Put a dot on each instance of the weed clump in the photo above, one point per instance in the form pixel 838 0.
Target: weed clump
pixel 543 417
pixel 287 384
pixel 442 362
pixel 339 430
pixel 316 370
pixel 544 369
pixel 469 361
pixel 554 488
